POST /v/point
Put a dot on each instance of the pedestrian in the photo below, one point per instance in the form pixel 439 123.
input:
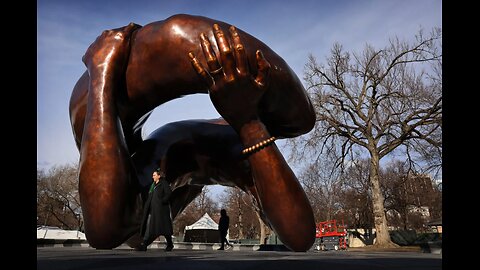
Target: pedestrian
pixel 223 225
pixel 156 215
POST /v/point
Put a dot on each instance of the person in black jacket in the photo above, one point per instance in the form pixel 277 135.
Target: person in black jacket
pixel 223 229
pixel 156 215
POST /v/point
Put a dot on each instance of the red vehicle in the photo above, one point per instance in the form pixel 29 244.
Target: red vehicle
pixel 330 235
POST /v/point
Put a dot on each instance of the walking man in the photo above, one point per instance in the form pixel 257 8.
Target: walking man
pixel 156 215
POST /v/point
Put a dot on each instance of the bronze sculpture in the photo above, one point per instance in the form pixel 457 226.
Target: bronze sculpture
pixel 133 69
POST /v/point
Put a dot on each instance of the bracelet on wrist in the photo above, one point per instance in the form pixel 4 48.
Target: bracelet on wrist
pixel 259 146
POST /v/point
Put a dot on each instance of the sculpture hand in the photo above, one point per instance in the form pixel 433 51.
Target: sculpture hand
pixel 233 90
pixel 111 49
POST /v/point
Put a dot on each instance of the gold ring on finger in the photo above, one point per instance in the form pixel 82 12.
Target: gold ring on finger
pixel 216 71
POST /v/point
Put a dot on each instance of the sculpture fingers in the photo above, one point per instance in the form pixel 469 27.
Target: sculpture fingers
pixel 132 26
pixel 197 66
pixel 114 43
pixel 209 54
pixel 126 31
pixel 226 55
pixel 239 51
pixel 263 70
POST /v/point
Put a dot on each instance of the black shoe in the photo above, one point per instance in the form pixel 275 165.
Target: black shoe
pixel 142 247
pixel 221 248
pixel 169 248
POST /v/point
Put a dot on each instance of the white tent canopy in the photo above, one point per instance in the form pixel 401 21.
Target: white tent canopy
pixel 204 230
pixel 205 222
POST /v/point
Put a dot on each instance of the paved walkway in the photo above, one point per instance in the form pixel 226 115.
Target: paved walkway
pixel 79 258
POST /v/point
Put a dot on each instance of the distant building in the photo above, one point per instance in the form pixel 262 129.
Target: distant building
pixel 411 199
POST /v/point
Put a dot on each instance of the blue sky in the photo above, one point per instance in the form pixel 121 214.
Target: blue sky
pixel 293 29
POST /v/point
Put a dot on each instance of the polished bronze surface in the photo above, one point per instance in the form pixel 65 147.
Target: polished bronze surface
pixel 133 69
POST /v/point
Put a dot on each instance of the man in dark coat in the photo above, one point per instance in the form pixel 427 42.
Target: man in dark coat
pixel 156 215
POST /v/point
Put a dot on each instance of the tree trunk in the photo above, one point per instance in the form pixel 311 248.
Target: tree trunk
pixel 240 219
pixel 380 219
pixel 263 230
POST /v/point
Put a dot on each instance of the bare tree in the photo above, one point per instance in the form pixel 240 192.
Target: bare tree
pixel 321 182
pixel 377 102
pixel 202 204
pixel 355 195
pixel 205 204
pixel 242 211
pixel 265 230
pixel 58 202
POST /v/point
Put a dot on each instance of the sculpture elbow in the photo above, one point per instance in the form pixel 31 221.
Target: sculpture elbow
pixel 291 122
pixel 105 238
pixel 307 123
pixel 107 231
